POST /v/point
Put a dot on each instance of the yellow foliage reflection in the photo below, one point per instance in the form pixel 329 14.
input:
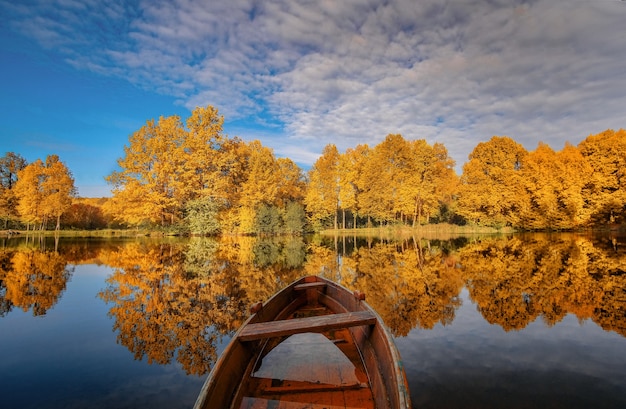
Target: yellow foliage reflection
pixel 410 284
pixel 514 281
pixel 178 299
pixel 31 279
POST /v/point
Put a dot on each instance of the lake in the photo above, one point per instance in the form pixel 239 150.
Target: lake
pixel 516 321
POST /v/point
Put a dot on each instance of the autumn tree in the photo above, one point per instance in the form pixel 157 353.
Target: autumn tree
pixel 44 191
pixel 352 183
pixel 348 183
pixel 58 189
pixel 168 165
pixel 606 192
pixel 214 163
pixel 10 164
pixel 34 279
pixel 430 181
pixel 404 180
pixel 87 213
pixel 149 186
pixel 291 183
pixel 322 196
pixel 29 194
pixel 260 185
pixel 383 174
pixel 554 182
pixel 491 192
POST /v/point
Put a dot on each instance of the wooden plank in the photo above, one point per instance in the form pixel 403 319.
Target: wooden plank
pixel 306 286
pixel 270 387
pixel 320 323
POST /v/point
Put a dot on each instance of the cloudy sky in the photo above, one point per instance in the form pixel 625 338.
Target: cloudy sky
pixel 79 76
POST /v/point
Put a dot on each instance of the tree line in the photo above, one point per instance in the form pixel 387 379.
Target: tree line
pixel 189 177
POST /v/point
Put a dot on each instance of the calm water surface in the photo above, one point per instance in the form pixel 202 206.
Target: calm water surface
pixel 518 322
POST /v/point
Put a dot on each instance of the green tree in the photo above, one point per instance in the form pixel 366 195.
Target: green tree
pixel 294 218
pixel 268 219
pixel 201 215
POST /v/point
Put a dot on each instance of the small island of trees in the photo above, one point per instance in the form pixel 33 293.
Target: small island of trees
pixel 190 178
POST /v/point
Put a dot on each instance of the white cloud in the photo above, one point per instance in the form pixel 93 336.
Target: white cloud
pixel 349 72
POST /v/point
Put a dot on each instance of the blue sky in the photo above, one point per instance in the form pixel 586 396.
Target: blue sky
pixel 79 76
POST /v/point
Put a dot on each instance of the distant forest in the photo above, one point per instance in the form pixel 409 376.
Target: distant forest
pixel 190 178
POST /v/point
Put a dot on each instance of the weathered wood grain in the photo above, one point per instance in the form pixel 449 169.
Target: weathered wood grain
pixel 321 323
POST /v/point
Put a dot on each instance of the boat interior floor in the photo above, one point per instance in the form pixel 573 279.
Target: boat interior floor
pixel 309 370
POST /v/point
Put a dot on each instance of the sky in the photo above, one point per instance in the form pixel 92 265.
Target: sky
pixel 78 77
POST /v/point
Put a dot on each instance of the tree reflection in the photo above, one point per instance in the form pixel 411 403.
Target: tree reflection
pixel 178 299
pixel 513 281
pixel 174 300
pixel 410 284
pixel 31 279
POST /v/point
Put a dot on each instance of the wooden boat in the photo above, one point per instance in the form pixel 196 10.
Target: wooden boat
pixel 314 344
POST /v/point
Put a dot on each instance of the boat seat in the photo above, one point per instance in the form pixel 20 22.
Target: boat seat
pixel 307 286
pixel 320 323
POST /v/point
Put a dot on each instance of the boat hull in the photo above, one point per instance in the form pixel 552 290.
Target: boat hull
pixel 314 342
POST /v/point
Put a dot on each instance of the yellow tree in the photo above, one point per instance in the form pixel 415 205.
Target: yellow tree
pixel 261 184
pixel 36 279
pixel 322 196
pixel 357 159
pixel 490 192
pixel 148 187
pixel 446 181
pixel 429 180
pixel 575 176
pixel 384 174
pixel 10 165
pixel 29 194
pixel 291 183
pixel 348 176
pixel 58 189
pixel 166 165
pixel 606 193
pixel 540 178
pixel 214 163
pixel 554 182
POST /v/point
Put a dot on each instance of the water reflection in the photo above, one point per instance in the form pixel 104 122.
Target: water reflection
pixel 178 299
pixel 31 279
